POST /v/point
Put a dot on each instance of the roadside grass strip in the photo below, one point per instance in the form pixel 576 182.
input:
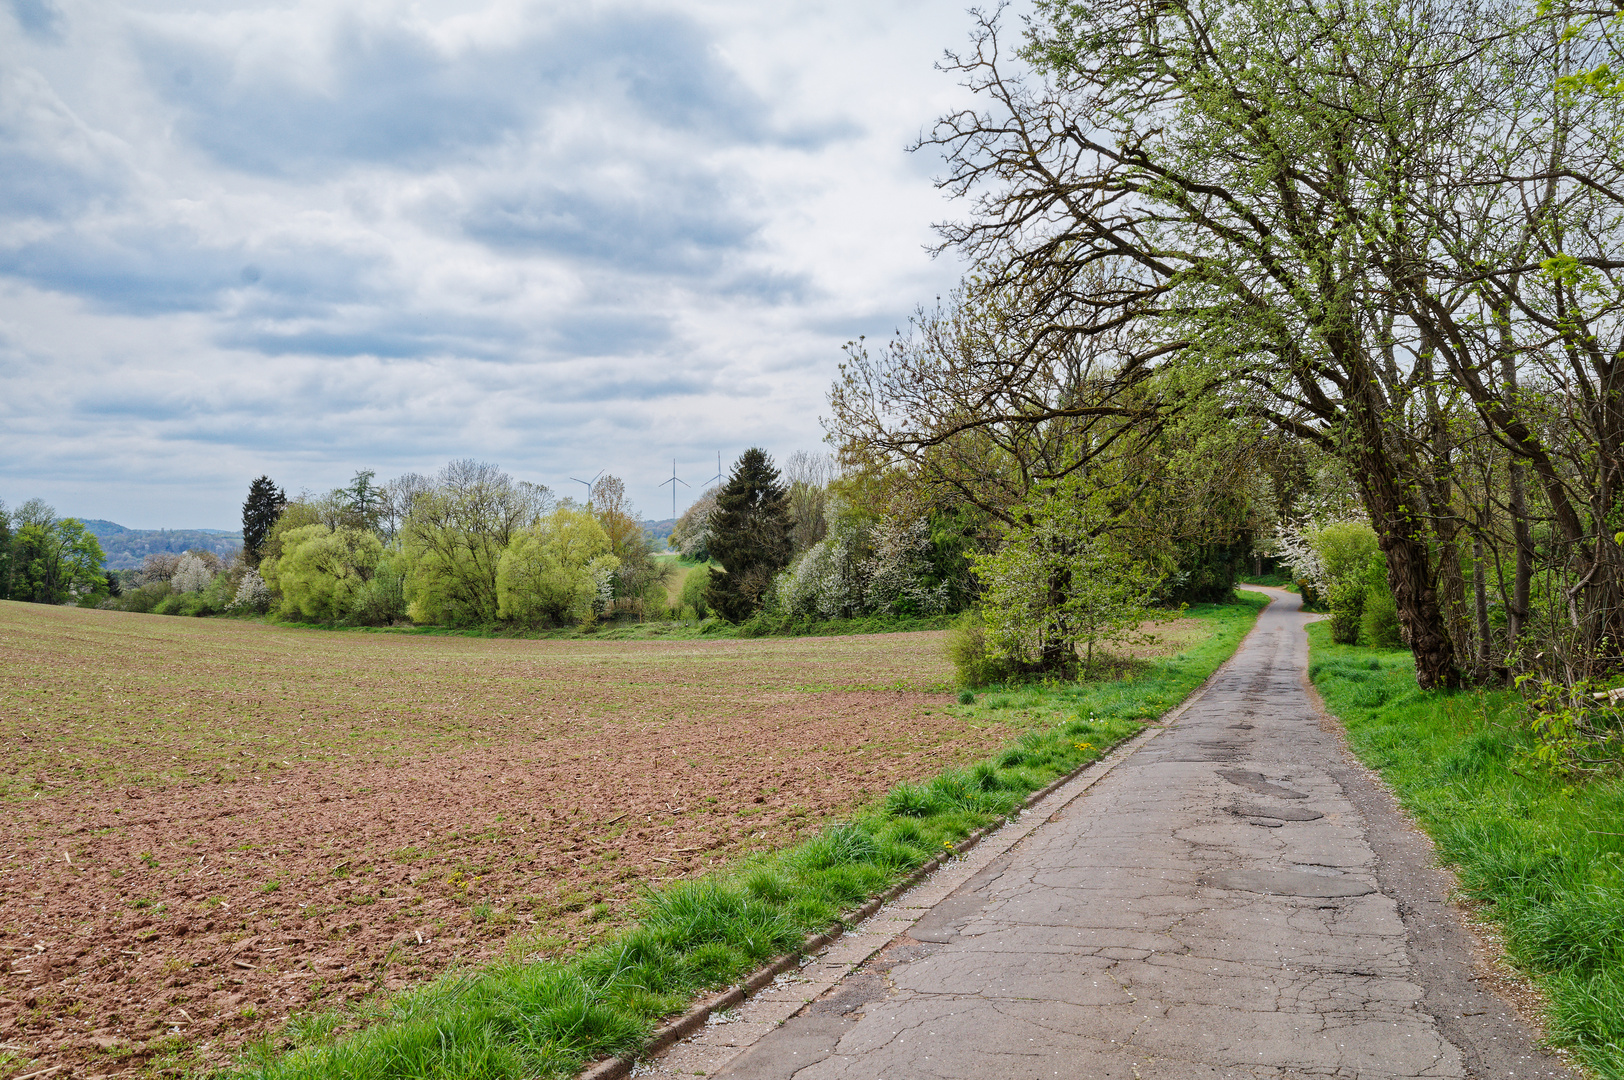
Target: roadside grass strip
pixel 549 1018
pixel 1543 856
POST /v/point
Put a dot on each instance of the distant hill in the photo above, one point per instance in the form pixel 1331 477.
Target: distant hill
pixel 660 529
pixel 126 548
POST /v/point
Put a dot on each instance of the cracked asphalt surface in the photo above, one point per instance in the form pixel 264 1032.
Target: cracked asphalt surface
pixel 1237 898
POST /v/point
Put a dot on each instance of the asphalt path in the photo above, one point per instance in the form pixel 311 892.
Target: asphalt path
pixel 1234 898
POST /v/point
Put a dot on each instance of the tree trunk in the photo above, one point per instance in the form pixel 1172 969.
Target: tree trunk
pixel 1394 513
pixel 1480 594
pixel 1522 535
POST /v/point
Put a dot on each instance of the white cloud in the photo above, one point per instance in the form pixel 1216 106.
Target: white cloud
pixel 312 238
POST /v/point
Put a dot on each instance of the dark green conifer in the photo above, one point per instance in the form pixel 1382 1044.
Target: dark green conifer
pixel 749 536
pixel 265 504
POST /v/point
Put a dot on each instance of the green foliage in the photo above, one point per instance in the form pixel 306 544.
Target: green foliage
pixel 295 515
pixel 5 552
pixel 1380 621
pixel 1345 549
pixel 381 598
pixel 548 1019
pixel 1574 733
pixel 453 539
pixel 974 659
pixel 748 535
pixel 1545 857
pixel 1347 608
pixel 260 512
pixel 55 560
pixel 321 572
pixel 1061 577
pixel 694 587
pixel 553 574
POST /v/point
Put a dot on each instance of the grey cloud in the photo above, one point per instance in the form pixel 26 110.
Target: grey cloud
pixel 397 100
pixel 51 166
pixel 607 333
pixel 145 273
pixel 403 337
pixel 677 223
pixel 151 269
pixel 40 19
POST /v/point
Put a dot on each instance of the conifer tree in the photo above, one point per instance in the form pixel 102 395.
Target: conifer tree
pixel 749 536
pixel 264 505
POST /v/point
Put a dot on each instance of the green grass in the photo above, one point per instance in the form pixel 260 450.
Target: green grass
pixel 1545 857
pixel 549 1018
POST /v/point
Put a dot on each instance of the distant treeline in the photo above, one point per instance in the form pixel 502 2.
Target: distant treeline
pixel 126 549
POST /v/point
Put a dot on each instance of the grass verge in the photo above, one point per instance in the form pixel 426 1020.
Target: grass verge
pixel 1545 857
pixel 549 1018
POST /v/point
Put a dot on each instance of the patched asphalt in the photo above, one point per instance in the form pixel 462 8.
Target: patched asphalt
pixel 1234 898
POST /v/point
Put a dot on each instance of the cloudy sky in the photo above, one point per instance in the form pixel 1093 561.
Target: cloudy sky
pixel 306 238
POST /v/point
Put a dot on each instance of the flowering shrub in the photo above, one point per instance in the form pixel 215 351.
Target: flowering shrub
pixel 252 594
pixel 859 570
pixel 191 575
pixel 1297 552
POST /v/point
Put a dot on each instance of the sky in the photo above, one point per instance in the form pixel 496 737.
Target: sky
pixel 309 238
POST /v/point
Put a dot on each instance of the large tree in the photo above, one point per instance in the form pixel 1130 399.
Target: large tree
pixel 454 536
pixel 57 560
pixel 749 536
pixel 1360 220
pixel 260 510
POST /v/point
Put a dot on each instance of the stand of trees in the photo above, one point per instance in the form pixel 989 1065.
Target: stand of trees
pixel 45 559
pixel 1210 240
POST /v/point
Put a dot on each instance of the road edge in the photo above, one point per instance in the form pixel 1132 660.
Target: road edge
pixel 694 1018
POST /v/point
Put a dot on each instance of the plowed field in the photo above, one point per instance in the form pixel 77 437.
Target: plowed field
pixel 208 824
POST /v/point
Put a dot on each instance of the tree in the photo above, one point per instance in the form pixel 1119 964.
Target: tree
pixel 365 500
pixel 260 510
pixel 57 560
pixel 749 536
pixel 1364 222
pixel 398 496
pixel 5 552
pixel 808 476
pixel 454 536
pixel 1063 579
pixel 691 535
pixel 191 574
pixel 551 573
pixel 321 571
pixel 637 571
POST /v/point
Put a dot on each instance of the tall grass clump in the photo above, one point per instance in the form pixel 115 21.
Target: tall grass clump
pixel 1544 854
pixel 549 1018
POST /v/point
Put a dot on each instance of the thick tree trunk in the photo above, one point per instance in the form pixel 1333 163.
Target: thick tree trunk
pixel 1395 513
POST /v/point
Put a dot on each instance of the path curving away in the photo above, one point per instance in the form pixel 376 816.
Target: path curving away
pixel 1235 898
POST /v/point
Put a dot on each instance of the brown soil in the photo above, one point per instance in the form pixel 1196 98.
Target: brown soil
pixel 211 825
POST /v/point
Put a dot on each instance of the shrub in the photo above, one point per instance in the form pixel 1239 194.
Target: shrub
pixel 190 575
pixel 1347 607
pixel 972 656
pixel 692 596
pixel 321 570
pixel 1380 619
pixel 381 600
pixel 146 598
pixel 252 594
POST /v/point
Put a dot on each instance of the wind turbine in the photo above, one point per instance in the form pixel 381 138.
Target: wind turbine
pixel 674 481
pixel 588 484
pixel 718 475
